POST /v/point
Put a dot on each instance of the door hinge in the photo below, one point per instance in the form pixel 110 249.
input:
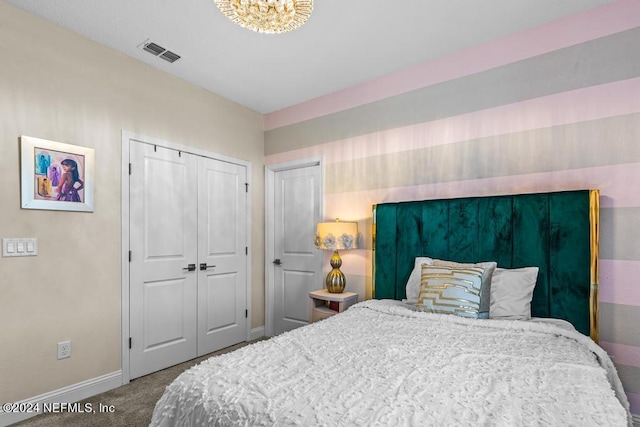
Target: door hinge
pixel 130 341
pixel 246 187
pixel 129 168
pixel 246 314
pixel 246 250
pixel 130 256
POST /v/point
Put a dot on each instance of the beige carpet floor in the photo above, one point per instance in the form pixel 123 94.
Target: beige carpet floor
pixel 133 403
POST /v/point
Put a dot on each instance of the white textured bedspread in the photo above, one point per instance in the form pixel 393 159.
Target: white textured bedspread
pixel 382 363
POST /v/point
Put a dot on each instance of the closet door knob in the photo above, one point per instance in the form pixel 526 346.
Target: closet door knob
pixel 204 266
pixel 277 261
pixel 190 267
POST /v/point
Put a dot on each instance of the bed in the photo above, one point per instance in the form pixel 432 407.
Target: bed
pixel 395 361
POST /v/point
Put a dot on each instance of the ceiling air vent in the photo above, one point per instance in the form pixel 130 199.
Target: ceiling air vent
pixel 158 50
pixel 169 56
pixel 153 48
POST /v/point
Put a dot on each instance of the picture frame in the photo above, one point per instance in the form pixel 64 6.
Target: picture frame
pixel 56 176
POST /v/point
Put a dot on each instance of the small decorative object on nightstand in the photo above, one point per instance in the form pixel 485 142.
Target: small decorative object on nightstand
pixel 323 304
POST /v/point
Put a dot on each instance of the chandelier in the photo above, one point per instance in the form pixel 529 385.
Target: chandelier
pixel 267 16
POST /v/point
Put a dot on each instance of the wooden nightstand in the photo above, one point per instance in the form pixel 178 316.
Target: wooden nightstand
pixel 319 302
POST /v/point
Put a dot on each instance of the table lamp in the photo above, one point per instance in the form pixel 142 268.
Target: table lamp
pixel 334 236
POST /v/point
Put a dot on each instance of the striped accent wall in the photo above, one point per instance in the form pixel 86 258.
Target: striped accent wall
pixel 553 108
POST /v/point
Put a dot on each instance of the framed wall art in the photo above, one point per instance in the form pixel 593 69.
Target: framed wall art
pixel 56 176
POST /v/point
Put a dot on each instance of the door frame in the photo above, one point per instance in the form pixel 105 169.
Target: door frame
pixel 270 171
pixel 126 137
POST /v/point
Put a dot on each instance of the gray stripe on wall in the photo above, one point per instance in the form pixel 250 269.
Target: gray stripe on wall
pixel 619 233
pixel 630 377
pixel 604 60
pixel 616 324
pixel 602 142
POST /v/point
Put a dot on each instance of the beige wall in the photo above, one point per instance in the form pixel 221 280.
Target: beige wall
pixel 59 86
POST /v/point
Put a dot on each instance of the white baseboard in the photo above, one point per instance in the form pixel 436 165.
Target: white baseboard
pixel 70 394
pixel 257 333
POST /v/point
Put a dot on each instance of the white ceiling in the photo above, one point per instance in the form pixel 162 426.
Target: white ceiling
pixel 344 42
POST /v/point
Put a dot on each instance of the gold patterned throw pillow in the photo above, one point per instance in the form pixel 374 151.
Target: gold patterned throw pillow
pixel 452 290
pixel 487 276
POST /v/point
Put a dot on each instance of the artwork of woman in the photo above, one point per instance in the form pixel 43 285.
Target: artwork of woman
pixel 67 188
pixel 54 175
pixel 44 186
pixel 42 163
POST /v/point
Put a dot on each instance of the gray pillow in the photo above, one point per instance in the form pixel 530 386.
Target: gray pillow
pixel 511 293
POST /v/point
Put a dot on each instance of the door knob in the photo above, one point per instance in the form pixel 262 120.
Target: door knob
pixel 277 261
pixel 190 267
pixel 204 266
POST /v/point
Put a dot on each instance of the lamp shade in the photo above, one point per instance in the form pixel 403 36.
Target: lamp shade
pixel 337 235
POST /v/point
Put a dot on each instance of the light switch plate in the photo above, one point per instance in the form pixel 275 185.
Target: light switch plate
pixel 19 246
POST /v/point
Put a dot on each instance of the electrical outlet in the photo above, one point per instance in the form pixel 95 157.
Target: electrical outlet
pixel 64 349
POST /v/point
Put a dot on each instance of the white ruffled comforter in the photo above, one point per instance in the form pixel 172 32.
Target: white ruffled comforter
pixel 381 363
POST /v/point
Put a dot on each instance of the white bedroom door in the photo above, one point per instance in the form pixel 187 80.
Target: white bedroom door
pixel 188 241
pixel 222 249
pixel 163 229
pixel 298 263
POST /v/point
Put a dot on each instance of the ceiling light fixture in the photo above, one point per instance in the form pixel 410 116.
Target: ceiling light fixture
pixel 267 16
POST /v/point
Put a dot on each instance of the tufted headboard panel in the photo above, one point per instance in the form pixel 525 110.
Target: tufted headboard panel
pixel 557 232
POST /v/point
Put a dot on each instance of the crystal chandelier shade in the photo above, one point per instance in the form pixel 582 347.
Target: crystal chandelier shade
pixel 267 16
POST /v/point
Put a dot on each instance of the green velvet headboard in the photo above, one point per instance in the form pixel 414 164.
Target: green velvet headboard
pixel 557 232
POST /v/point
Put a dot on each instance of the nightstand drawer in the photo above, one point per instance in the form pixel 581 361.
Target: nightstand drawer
pixel 319 313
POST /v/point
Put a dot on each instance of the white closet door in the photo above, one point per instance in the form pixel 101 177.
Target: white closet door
pixel 222 249
pixel 163 232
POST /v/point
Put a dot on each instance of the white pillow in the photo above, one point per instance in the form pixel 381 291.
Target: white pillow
pixel 511 293
pixel 412 288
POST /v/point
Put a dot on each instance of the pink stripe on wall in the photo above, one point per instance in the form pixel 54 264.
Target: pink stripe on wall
pixel 607 100
pixel 619 284
pixel 622 354
pixel 597 22
pixel 634 403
